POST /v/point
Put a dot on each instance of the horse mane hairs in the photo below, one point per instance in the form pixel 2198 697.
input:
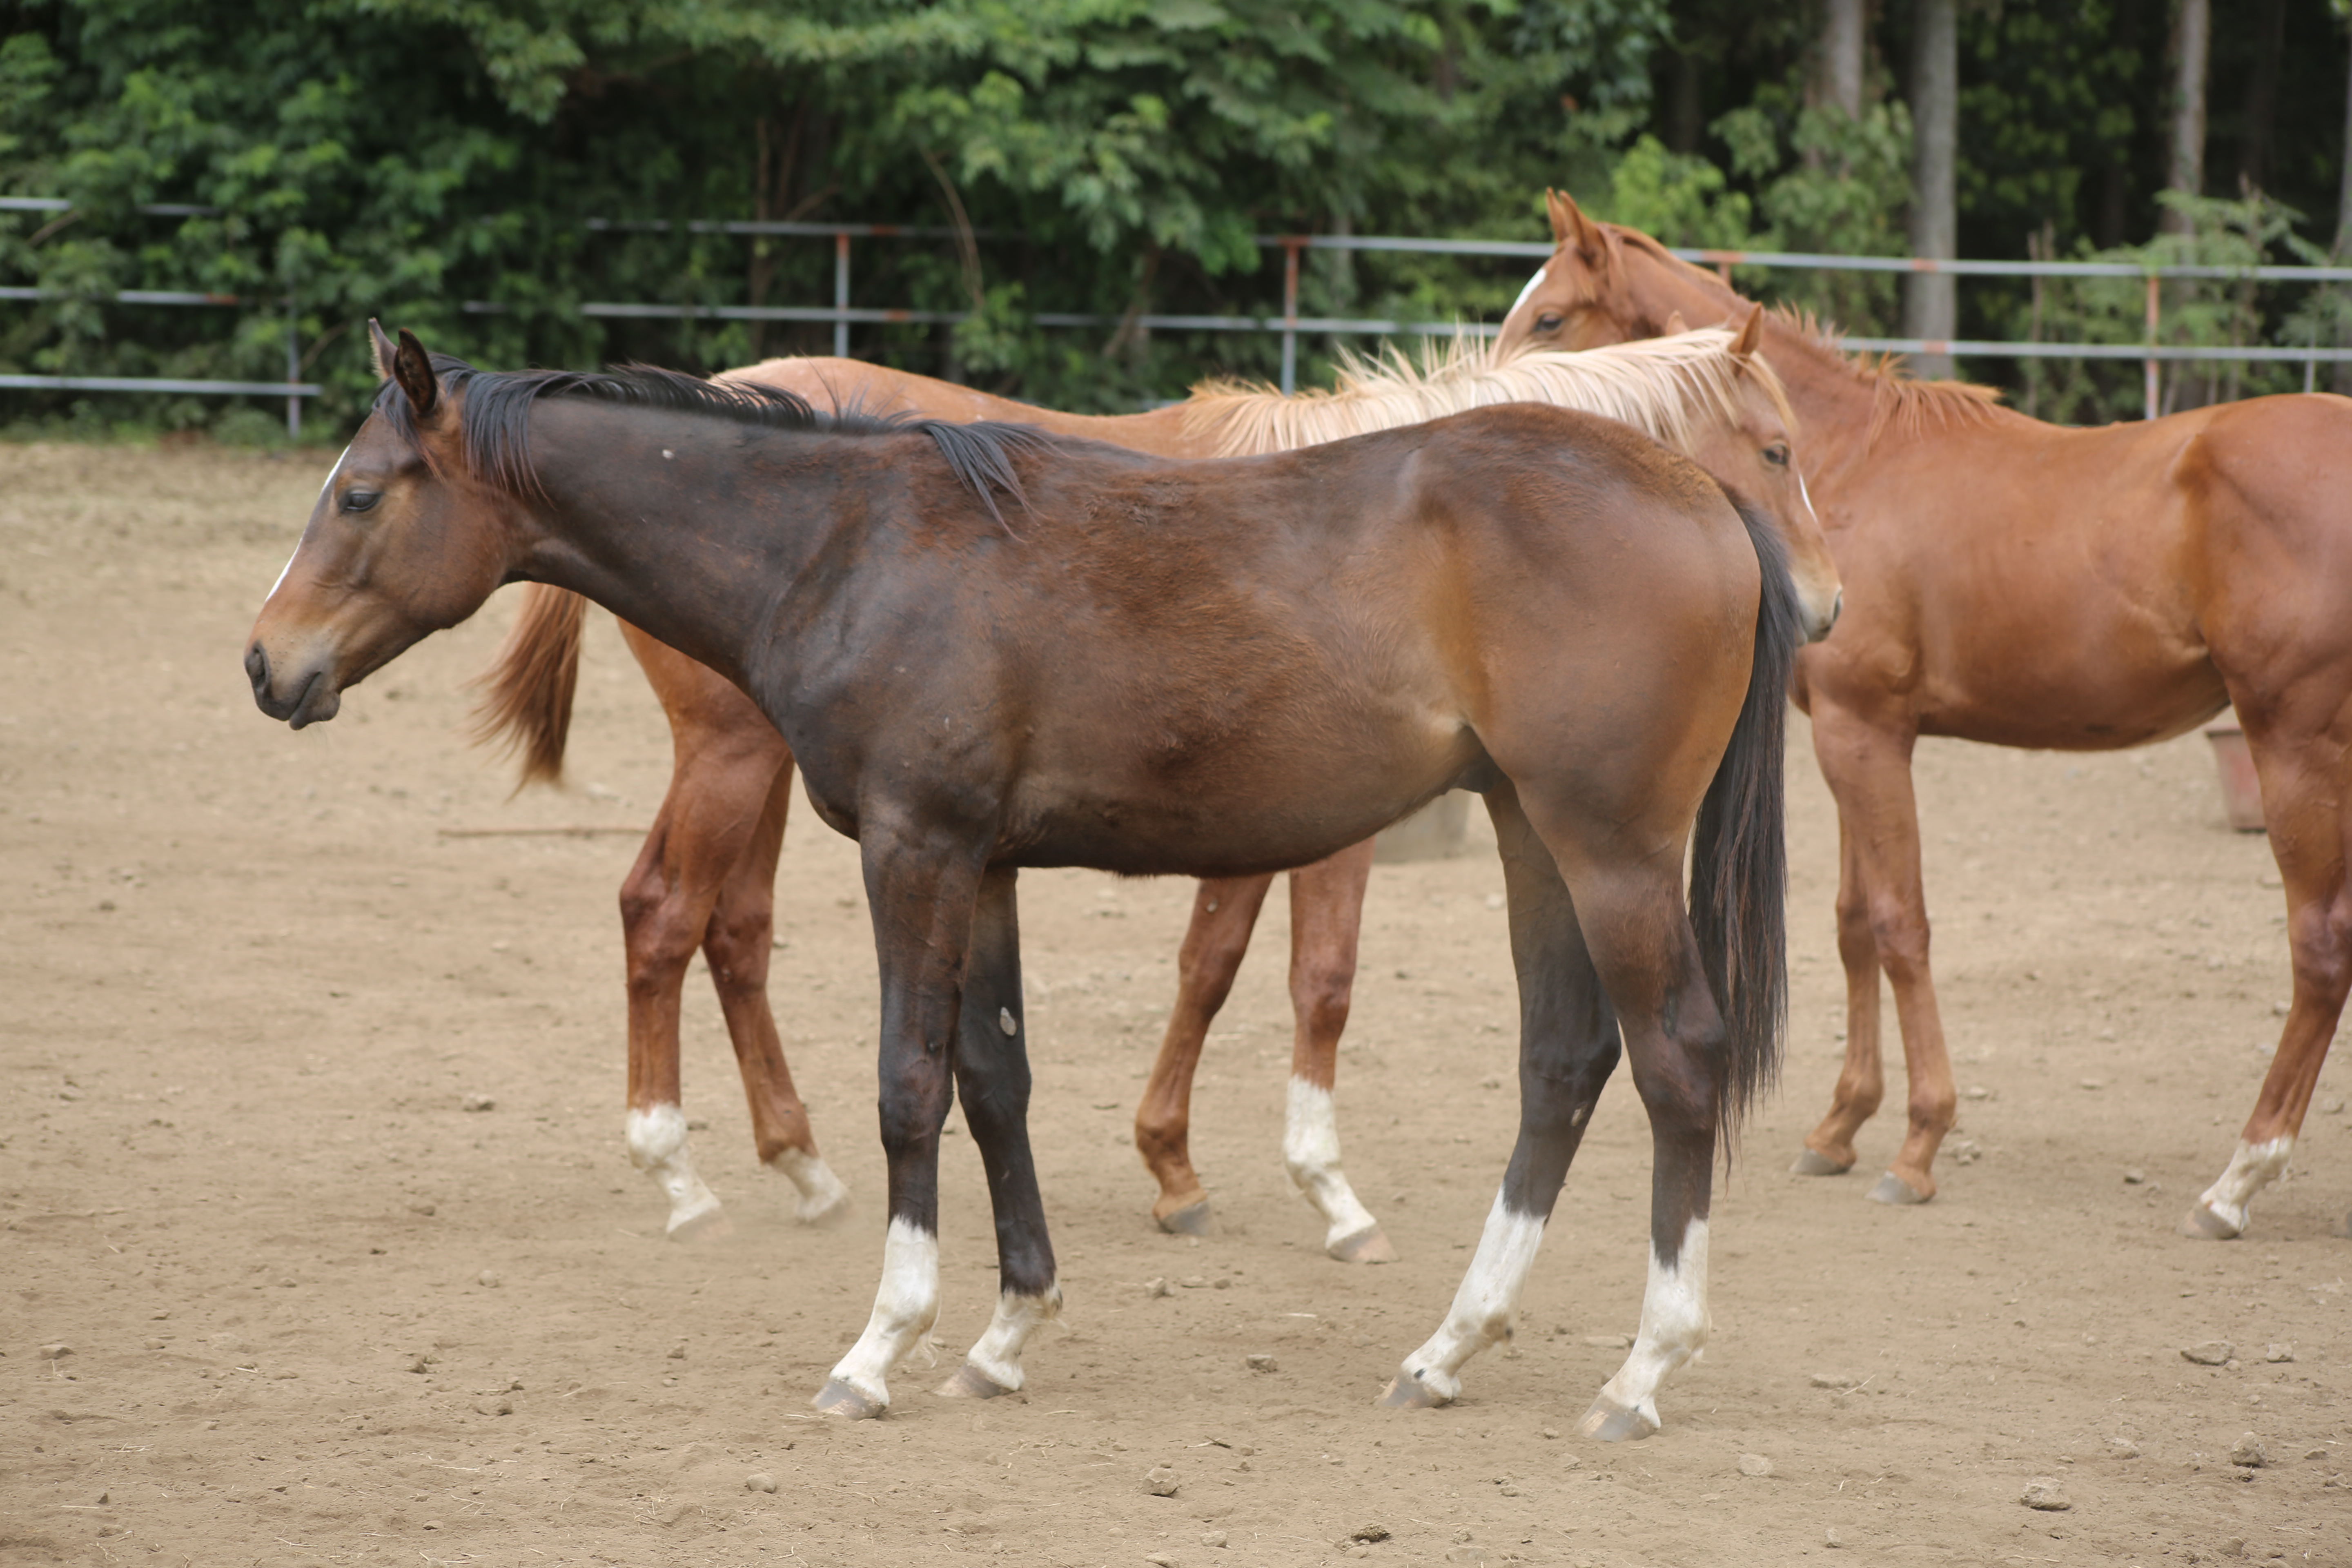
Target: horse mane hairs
pixel 1899 405
pixel 498 404
pixel 1666 387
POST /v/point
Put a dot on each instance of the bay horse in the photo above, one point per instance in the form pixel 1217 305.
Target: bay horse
pixel 705 876
pixel 2030 585
pixel 992 648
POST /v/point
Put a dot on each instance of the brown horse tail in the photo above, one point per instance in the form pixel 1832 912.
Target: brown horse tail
pixel 1739 859
pixel 526 703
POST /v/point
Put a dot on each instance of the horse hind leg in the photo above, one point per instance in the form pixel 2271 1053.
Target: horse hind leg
pixel 1568 1048
pixel 1224 912
pixel 1829 1148
pixel 2300 781
pixel 738 942
pixel 1327 910
pixel 991 1070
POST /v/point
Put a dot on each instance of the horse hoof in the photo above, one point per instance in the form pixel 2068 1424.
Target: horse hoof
pixel 825 1212
pixel 838 1400
pixel 1407 1394
pixel 1365 1247
pixel 2201 1224
pixel 1809 1163
pixel 971 1382
pixel 1609 1422
pixel 1893 1189
pixel 1192 1219
pixel 703 1225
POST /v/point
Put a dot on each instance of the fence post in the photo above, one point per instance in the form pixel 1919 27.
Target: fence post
pixel 841 293
pixel 2148 373
pixel 293 372
pixel 1290 315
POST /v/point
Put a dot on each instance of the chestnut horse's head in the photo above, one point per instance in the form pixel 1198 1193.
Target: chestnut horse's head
pixel 403 542
pixel 1600 286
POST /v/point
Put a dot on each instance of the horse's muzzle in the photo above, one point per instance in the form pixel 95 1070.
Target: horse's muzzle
pixel 314 700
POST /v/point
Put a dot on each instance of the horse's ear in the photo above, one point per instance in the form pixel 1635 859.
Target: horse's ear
pixel 1676 325
pixel 1751 332
pixel 383 347
pixel 414 371
pixel 1558 206
pixel 1570 227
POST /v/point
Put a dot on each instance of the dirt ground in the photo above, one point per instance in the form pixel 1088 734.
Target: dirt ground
pixel 317 1312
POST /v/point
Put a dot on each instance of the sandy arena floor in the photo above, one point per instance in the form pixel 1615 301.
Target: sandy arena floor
pixel 311 1311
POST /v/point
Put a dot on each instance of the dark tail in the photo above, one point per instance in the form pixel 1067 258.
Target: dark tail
pixel 526 703
pixel 1739 860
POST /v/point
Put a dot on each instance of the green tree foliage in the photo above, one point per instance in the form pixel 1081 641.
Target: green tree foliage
pixel 437 162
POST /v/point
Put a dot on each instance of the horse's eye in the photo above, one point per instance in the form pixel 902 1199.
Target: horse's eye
pixel 1777 454
pixel 361 500
pixel 1549 321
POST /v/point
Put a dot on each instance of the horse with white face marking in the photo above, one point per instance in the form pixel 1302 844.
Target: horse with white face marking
pixel 1204 669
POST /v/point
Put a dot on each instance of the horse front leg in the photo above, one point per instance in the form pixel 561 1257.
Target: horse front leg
pixel 1868 767
pixel 739 942
pixel 1327 916
pixel 992 1068
pixel 1862 1081
pixel 1568 1048
pixel 924 892
pixel 1224 912
pixel 2302 785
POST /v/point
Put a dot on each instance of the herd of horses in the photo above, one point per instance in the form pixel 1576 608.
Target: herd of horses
pixel 1580 570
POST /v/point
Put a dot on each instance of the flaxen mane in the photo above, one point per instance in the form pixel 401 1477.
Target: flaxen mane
pixel 1667 387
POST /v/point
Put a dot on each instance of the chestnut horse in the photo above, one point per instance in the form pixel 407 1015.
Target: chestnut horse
pixel 990 649
pixel 707 874
pixel 2029 585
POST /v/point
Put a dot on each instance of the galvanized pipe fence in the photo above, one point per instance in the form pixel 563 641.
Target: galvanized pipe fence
pixel 1289 323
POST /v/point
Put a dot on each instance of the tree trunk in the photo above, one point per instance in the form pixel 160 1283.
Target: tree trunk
pixel 1844 31
pixel 1927 304
pixel 2192 36
pixel 2262 94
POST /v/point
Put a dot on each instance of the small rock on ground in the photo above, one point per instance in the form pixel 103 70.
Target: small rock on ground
pixel 1368 1532
pixel 760 1481
pixel 2248 1452
pixel 479 1103
pixel 1833 1380
pixel 2045 1493
pixel 1830 1537
pixel 1754 1465
pixel 1259 1362
pixel 1213 1537
pixel 2278 1353
pixel 1161 1482
pixel 2212 1352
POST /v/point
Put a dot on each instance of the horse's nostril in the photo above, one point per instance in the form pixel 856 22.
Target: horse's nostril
pixel 256 668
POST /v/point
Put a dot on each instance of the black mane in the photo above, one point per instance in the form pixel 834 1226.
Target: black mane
pixel 498 405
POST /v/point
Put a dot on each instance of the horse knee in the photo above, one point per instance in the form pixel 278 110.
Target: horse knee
pixel 1321 996
pixel 659 939
pixel 2319 938
pixel 737 944
pixel 1900 932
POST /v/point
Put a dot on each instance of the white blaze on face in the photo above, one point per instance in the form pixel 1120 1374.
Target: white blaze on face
pixel 1310 1151
pixel 324 486
pixel 1807 497
pixel 1534 283
pixel 997 1356
pixel 2253 1167
pixel 1674 1327
pixel 906 1304
pixel 1482 1306
pixel 656 1138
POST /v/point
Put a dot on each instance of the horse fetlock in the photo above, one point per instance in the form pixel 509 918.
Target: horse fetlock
pixel 824 1198
pixel 2222 1212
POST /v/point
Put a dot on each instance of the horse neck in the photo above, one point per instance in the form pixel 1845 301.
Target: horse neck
pixel 672 546
pixel 1833 404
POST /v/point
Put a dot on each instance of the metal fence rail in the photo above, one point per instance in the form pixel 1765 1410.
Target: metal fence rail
pixel 1289 324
